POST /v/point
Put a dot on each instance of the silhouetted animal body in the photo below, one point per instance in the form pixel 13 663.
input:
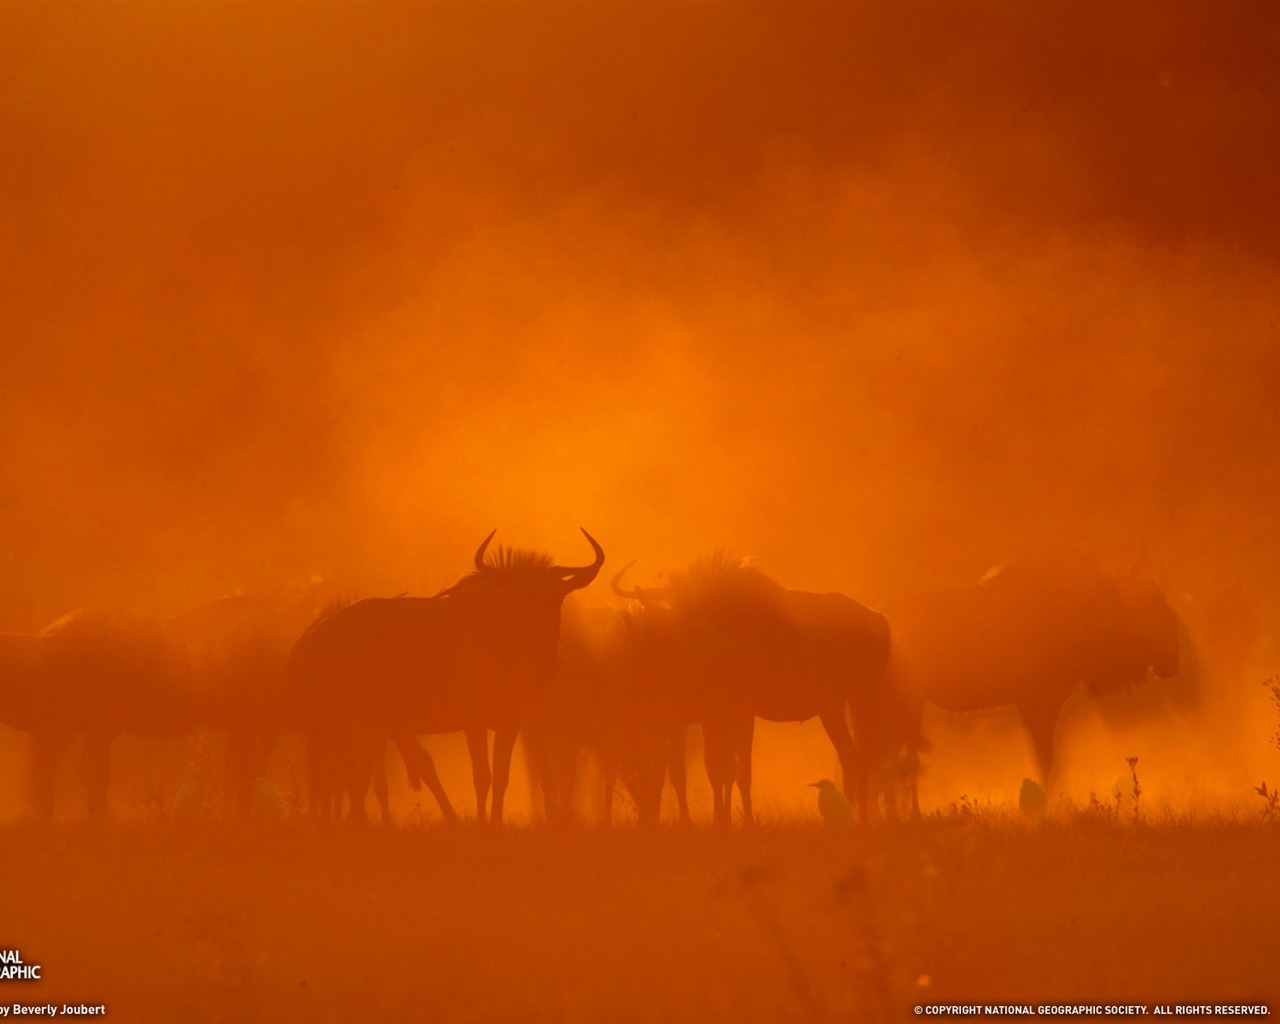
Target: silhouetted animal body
pixel 248 663
pixel 97 674
pixel 26 701
pixel 106 674
pixel 197 628
pixel 724 644
pixel 475 657
pixel 1027 635
pixel 597 711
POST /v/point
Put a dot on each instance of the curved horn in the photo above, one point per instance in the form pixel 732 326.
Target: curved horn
pixel 480 566
pixel 579 577
pixel 635 593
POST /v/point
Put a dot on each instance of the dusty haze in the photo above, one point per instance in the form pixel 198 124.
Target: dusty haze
pixel 875 293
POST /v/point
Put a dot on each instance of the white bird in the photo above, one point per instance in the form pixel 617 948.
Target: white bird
pixel 1033 800
pixel 833 805
pixel 190 802
pixel 268 801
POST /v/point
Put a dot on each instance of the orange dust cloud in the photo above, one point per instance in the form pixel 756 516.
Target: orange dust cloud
pixel 875 293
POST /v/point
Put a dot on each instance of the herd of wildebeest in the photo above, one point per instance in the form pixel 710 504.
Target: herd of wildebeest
pixel 717 644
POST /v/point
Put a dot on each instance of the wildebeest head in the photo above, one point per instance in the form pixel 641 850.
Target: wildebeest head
pixel 1157 625
pixel 1109 630
pixel 520 592
pixel 1143 634
pixel 704 634
pixel 531 571
pixel 475 653
pixel 646 596
pixel 713 582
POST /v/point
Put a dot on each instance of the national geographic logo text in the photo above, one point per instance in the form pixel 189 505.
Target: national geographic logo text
pixel 12 967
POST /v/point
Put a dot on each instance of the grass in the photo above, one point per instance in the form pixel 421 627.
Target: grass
pixel 205 922
pixel 1271 797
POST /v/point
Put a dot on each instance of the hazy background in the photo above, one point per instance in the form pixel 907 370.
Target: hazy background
pixel 876 293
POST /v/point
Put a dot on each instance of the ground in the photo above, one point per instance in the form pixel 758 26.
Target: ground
pixel 207 922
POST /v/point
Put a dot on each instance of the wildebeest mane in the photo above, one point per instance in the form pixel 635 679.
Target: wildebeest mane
pixel 124 672
pixel 517 558
pixel 720 561
pixel 724 581
pixel 330 609
pixel 503 560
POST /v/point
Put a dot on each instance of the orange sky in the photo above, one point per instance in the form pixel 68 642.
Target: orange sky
pixel 873 292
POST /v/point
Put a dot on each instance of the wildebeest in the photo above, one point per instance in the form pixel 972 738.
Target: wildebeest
pixel 96 674
pixel 248 667
pixel 103 674
pixel 25 701
pixel 1027 635
pixel 599 713
pixel 725 644
pixel 472 658
pixel 247 662
pixel 29 703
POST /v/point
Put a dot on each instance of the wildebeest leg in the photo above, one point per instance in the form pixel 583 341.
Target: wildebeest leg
pixel 913 773
pixel 235 773
pixel 357 771
pixel 95 770
pixel 47 751
pixel 422 768
pixel 912 735
pixel 854 769
pixel 381 790
pixel 242 763
pixel 504 744
pixel 357 813
pixel 718 754
pixel 321 784
pixel 247 758
pixel 565 770
pixel 550 778
pixel 645 785
pixel 893 779
pixel 365 766
pixel 553 770
pixel 744 735
pixel 676 765
pixel 478 748
pixel 610 784
pixel 538 758
pixel 1041 721
pixel 264 746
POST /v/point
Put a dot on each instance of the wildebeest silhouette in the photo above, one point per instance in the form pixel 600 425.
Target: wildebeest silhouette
pixel 25 700
pixel 1027 635
pixel 95 674
pixel 472 658
pixel 106 674
pixel 724 644
pixel 248 667
pixel 598 713
pixel 29 702
pixel 247 663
